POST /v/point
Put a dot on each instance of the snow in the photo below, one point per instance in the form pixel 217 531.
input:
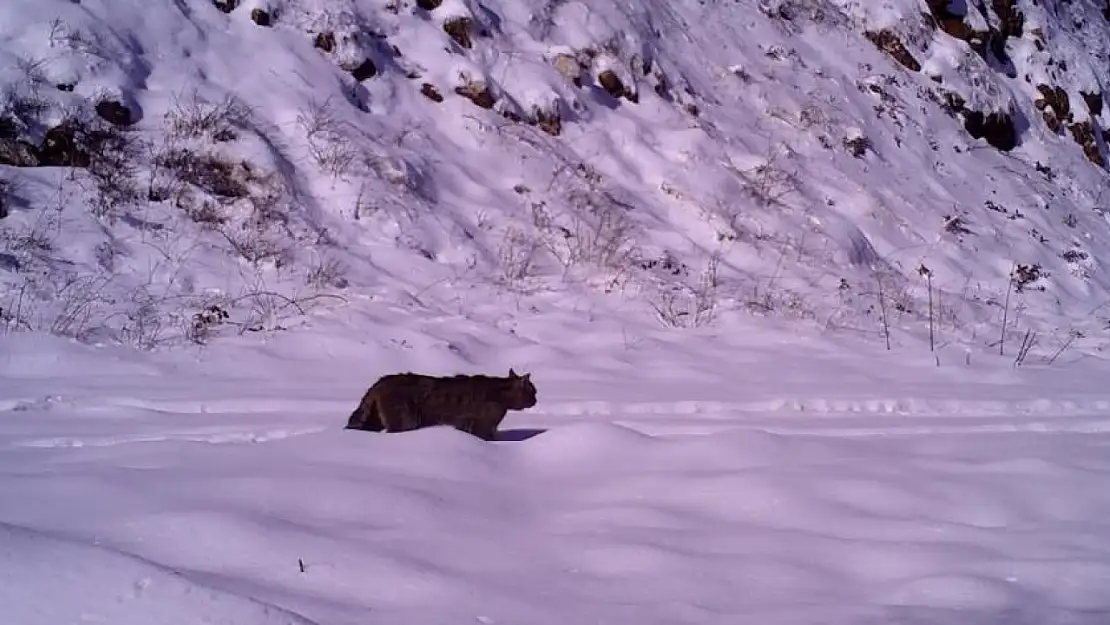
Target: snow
pixel 753 404
pixel 113 587
pixel 673 481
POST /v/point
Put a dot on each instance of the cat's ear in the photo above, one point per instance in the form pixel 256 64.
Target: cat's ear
pixel 512 374
pixel 527 377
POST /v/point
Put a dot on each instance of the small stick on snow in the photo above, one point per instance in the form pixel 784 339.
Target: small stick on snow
pixel 925 271
pixel 1071 338
pixel 882 309
pixel 1006 311
pixel 1027 343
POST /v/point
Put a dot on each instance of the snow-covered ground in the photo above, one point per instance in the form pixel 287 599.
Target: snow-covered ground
pixel 723 274
pixel 771 477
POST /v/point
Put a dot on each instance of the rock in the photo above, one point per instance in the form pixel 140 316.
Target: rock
pixel 569 68
pixel 955 27
pixel 227 6
pixel 478 93
pixel 60 148
pixel 662 87
pixel 857 145
pixel 996 127
pixel 1012 20
pixel 1054 106
pixel 261 17
pixel 115 113
pixel 1093 102
pixel 364 70
pixel 548 120
pixel 955 24
pixel 324 41
pixel 889 43
pixel 952 102
pixel 1084 135
pixel 612 84
pixel 948 21
pixel 429 91
pixel 459 29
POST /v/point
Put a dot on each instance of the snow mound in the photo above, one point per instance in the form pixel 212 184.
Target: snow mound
pixel 48 580
pixel 671 481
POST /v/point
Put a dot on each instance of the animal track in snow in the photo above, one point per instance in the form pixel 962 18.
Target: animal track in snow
pixel 842 417
pixel 836 407
pixel 216 437
pixel 227 405
pixel 817 417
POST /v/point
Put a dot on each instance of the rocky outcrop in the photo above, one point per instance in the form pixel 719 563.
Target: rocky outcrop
pixel 459 29
pixel 115 112
pixel 262 17
pixel 887 41
pixel 477 92
pixel 1084 134
pixel 1006 20
pixel 363 71
pixel 996 128
pixel 428 90
pixel 1054 107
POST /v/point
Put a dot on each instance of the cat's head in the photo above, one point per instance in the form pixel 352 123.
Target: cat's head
pixel 521 393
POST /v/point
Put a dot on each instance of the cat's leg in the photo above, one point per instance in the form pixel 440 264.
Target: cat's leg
pixel 487 421
pixel 465 424
pixel 485 431
pixel 404 416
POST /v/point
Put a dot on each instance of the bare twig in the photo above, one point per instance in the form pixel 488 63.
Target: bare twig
pixel 1006 312
pixel 1074 334
pixel 882 310
pixel 1027 343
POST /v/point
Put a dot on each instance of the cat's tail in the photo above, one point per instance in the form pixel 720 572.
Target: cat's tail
pixel 366 417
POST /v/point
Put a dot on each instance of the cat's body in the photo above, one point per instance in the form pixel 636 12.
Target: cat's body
pixel 475 404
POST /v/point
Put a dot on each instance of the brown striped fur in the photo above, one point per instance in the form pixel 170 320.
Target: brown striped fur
pixel 475 404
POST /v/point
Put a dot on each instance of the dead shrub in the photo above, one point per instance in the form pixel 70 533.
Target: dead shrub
pixel 517 256
pixel 195 118
pixel 204 323
pixel 594 232
pixel 329 140
pixel 110 155
pixel 211 173
pixel 327 273
pixel 22 103
pixel 206 213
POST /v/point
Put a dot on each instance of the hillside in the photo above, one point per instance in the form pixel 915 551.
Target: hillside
pixel 207 168
pixel 811 291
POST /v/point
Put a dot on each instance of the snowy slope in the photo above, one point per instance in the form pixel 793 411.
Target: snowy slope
pixel 220 487
pixel 761 159
pixel 722 261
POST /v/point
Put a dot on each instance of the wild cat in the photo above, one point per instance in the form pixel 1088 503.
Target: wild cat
pixel 475 404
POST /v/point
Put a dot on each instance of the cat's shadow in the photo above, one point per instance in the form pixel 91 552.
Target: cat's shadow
pixel 521 434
